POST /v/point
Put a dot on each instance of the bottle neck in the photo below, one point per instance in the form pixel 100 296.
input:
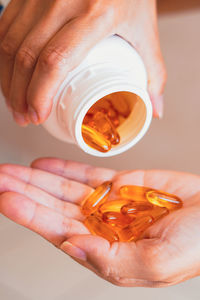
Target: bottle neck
pixel 89 86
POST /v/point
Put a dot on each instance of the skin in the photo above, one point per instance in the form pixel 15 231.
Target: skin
pixel 42 41
pixel 46 199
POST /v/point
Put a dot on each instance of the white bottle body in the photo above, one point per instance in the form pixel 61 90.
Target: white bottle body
pixel 111 66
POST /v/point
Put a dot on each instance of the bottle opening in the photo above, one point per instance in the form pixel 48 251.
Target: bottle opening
pixel 114 121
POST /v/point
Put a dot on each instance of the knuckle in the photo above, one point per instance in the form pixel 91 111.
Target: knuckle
pixel 25 58
pixel 52 58
pixel 8 48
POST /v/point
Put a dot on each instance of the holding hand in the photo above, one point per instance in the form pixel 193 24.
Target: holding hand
pixel 46 199
pixel 41 41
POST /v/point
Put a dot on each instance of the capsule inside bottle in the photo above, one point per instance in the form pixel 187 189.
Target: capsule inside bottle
pixel 118 117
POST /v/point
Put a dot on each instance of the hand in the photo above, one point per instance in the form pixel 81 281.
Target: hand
pixel 46 198
pixel 41 41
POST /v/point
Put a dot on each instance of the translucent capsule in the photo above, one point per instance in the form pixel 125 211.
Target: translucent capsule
pixel 103 105
pixel 163 199
pixel 134 207
pixel 104 125
pixel 120 104
pixel 95 139
pixel 134 230
pixel 116 219
pixel 98 197
pixel 158 212
pixel 88 118
pixel 134 192
pixel 113 205
pixel 97 227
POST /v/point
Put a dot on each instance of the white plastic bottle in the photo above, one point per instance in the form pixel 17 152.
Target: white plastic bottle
pixel 111 66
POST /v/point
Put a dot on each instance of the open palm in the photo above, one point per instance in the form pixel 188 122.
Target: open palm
pixel 46 199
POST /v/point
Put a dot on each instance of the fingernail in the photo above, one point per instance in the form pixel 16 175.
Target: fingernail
pixel 157 102
pixel 73 251
pixel 20 119
pixel 33 115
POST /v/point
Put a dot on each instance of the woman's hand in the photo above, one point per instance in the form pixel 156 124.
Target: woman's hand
pixel 41 41
pixel 46 199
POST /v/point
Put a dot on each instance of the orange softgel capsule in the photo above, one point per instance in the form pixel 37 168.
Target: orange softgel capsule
pixel 156 213
pixel 120 104
pixel 163 199
pixel 133 207
pixel 113 205
pixel 134 231
pixel 95 139
pixel 116 219
pixel 134 192
pixel 97 227
pixel 125 219
pixel 98 197
pixel 103 124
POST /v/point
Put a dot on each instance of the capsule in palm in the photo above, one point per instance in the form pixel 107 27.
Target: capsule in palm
pixel 134 192
pixel 135 230
pixel 116 219
pixel 113 205
pixel 133 207
pixel 164 199
pixel 97 227
pixel 95 139
pixel 156 213
pixel 98 197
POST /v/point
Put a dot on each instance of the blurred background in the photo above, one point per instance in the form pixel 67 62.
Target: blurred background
pixel 32 269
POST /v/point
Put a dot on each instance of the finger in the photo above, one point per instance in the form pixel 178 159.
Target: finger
pixel 86 174
pixel 149 48
pixel 61 55
pixel 11 184
pixel 49 224
pixel 9 15
pixel 145 38
pixel 55 185
pixel 30 49
pixel 124 264
pixel 28 15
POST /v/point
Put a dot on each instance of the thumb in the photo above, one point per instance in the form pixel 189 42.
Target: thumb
pixel 88 248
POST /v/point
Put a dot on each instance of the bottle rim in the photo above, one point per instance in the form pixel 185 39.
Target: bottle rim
pixel 117 84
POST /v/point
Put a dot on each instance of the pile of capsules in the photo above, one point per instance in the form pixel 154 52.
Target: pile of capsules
pixel 126 218
pixel 99 128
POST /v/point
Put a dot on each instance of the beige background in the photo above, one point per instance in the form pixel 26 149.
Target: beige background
pixel 30 268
